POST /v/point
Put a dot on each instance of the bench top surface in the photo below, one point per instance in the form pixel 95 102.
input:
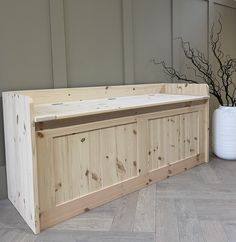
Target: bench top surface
pixel 53 111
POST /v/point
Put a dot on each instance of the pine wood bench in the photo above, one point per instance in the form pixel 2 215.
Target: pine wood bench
pixel 70 150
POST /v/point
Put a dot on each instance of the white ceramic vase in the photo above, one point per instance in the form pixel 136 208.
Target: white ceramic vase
pixel 224 132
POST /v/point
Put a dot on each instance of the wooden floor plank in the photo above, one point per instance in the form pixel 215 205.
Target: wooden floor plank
pixel 16 235
pixel 196 191
pixel 188 223
pixel 230 230
pixel 213 231
pixel 216 209
pixel 196 205
pixel 124 217
pixel 79 236
pixel 145 211
pixel 166 221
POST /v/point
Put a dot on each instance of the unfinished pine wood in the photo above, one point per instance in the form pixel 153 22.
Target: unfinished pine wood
pixel 87 93
pixel 45 112
pixel 88 161
pixel 174 138
pixel 21 157
pixel 64 170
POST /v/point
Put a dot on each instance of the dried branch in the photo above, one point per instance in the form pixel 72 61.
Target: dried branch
pixel 221 84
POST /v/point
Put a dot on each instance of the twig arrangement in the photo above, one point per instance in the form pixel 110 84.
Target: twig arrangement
pixel 219 78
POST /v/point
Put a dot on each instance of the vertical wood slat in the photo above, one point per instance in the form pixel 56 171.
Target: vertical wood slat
pixel 62 165
pixel 108 156
pixel 126 145
pixel 95 164
pixel 46 179
pixel 58 43
pixel 144 164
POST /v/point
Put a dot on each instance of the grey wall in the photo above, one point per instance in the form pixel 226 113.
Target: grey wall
pixel 56 43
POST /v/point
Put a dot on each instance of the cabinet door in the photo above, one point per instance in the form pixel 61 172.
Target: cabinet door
pixel 85 162
pixel 173 138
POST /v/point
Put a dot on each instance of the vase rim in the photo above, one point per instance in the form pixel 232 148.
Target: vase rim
pixel 227 107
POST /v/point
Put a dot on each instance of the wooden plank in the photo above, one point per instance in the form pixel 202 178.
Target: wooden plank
pixel 188 223
pixel 145 210
pixel 213 231
pixel 87 127
pixel 47 112
pixel 144 158
pixel 78 146
pixel 77 165
pixel 95 163
pixel 46 179
pixel 166 221
pixel 21 157
pixel 153 144
pixel 63 170
pixel 87 93
pixel 172 147
pixel 157 134
pixel 164 110
pixel 125 214
pixel 187 89
pixel 126 145
pixel 85 203
pixel 108 156
pixel 194 133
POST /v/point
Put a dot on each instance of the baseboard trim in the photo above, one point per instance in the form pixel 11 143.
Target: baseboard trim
pixel 3 182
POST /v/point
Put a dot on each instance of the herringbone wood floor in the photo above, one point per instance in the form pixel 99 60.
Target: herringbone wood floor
pixel 197 205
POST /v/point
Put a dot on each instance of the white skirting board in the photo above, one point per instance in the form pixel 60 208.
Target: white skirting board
pixel 3 182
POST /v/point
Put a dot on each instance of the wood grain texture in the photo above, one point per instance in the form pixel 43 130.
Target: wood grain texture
pixel 62 110
pixel 145 210
pixel 21 157
pixel 87 93
pixel 166 218
pixel 188 223
pixel 213 231
pixel 77 167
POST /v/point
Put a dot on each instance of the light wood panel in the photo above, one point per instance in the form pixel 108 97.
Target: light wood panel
pixel 86 162
pixel 173 138
pixel 53 111
pixel 75 94
pixel 21 157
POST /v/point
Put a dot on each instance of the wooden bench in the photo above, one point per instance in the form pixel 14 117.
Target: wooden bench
pixel 70 150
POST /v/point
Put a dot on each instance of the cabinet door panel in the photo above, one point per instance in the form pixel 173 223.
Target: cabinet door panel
pixel 173 138
pixel 88 161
